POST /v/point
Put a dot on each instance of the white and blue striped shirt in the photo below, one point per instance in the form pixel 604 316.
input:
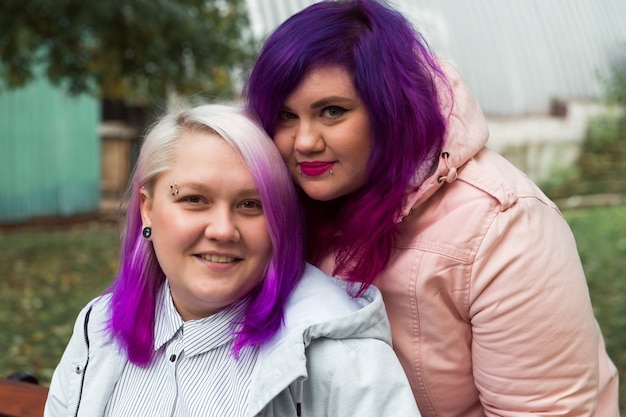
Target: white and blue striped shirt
pixel 193 372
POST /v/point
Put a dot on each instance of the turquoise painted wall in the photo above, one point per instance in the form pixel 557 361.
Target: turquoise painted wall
pixel 49 153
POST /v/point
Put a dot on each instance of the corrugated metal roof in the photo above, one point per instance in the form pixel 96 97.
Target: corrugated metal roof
pixel 515 55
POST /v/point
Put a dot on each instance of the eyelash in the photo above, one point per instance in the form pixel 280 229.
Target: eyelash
pixel 284 115
pixel 191 199
pixel 256 203
pixel 245 204
pixel 339 109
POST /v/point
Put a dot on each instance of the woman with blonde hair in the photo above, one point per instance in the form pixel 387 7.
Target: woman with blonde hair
pixel 213 311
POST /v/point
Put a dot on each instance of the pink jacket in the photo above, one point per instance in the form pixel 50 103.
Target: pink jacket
pixel 488 302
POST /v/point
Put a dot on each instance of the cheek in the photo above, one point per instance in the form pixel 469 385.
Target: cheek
pixel 284 142
pixel 263 240
pixel 173 229
pixel 259 239
pixel 363 145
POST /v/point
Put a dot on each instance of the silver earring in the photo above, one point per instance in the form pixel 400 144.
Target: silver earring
pixel 146 232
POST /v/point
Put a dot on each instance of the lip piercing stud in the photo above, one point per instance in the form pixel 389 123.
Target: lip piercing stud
pixel 174 189
pixel 331 171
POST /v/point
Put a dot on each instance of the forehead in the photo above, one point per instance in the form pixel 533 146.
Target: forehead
pixel 205 157
pixel 324 80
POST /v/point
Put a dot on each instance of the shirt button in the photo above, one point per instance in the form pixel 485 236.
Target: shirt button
pixel 172 358
pixel 78 369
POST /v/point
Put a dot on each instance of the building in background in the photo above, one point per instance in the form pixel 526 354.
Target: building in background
pixel 49 153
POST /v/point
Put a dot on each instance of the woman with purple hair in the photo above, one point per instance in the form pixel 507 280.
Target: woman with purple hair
pixel 488 303
pixel 214 312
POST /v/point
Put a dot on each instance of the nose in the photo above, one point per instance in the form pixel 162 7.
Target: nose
pixel 222 225
pixel 308 139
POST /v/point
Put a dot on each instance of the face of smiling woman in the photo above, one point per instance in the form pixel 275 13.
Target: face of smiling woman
pixel 324 134
pixel 210 237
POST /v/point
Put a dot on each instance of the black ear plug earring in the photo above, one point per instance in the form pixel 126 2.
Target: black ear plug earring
pixel 147 232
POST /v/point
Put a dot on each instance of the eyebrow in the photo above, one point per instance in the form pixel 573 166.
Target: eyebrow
pixel 329 100
pixel 194 185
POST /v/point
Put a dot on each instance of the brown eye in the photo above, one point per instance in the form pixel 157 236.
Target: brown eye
pixel 250 204
pixel 251 207
pixel 192 199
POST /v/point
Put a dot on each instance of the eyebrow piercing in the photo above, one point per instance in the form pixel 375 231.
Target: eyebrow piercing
pixel 174 189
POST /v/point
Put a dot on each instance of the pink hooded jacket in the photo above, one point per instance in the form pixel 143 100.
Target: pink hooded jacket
pixel 488 303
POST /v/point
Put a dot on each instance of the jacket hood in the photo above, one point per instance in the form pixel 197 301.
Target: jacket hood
pixel 319 307
pixel 466 134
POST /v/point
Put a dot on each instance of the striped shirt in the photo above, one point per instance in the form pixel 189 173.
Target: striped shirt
pixel 193 372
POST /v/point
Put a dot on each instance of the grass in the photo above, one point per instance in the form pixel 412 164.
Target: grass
pixel 48 276
pixel 601 237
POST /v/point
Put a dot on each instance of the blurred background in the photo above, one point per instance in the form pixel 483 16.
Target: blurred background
pixel 81 80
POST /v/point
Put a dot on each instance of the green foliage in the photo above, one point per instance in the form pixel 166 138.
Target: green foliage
pixel 560 181
pixel 601 238
pixel 134 50
pixel 604 130
pixel 601 166
pixel 616 84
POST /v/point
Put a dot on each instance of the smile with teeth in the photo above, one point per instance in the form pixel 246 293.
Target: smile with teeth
pixel 222 259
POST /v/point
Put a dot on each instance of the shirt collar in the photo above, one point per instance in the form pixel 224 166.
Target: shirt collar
pixel 201 335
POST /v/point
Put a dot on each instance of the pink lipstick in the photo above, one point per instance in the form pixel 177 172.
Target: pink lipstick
pixel 315 168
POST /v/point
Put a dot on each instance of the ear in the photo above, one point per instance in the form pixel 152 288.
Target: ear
pixel 145 205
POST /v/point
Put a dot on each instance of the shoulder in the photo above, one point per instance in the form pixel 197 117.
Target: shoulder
pixel 318 297
pixel 91 324
pixel 322 306
pixel 94 314
pixel 499 178
pixel 331 354
pixel 65 386
pixel 364 377
pixel 353 359
pixel 488 190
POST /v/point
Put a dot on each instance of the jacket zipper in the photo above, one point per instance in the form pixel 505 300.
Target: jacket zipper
pixel 82 377
pixel 298 398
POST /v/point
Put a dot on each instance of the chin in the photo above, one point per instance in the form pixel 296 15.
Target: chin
pixel 321 195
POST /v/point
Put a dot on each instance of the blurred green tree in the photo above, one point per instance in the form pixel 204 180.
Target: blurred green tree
pixel 616 82
pixel 132 50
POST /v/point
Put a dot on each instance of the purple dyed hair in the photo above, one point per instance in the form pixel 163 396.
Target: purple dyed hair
pixel 135 291
pixel 395 75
